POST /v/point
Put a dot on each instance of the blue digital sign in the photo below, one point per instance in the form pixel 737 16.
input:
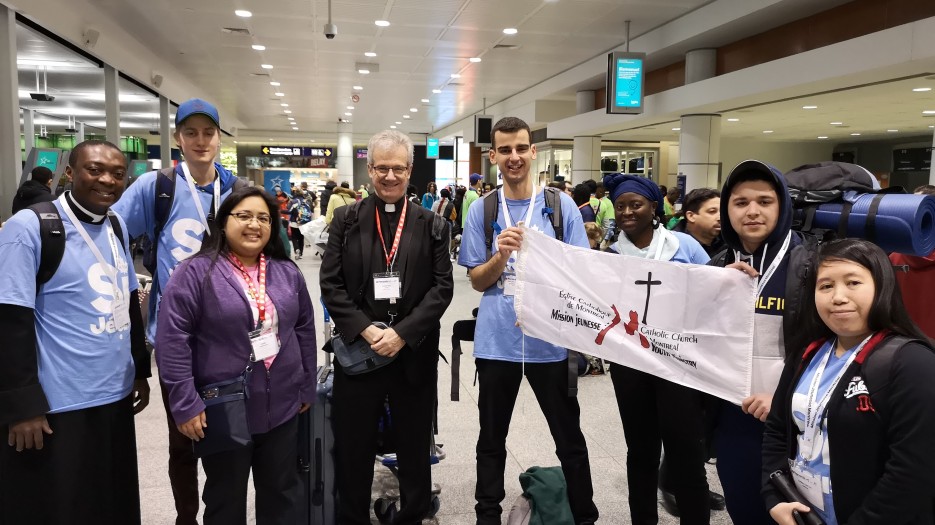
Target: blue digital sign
pixel 431 148
pixel 625 82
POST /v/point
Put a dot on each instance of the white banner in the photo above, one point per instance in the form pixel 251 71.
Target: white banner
pixel 689 324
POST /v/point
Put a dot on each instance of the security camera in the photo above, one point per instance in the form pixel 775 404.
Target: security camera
pixel 330 31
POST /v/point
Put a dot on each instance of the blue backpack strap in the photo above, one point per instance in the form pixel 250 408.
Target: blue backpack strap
pixel 52 241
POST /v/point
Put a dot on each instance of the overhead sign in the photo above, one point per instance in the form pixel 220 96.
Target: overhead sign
pixel 431 148
pixel 625 82
pixel 295 151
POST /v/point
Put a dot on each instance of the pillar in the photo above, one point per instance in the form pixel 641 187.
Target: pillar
pixel 700 64
pixel 584 101
pixel 11 158
pixel 345 162
pixel 79 136
pixel 165 142
pixel 586 159
pixel 112 104
pixel 700 150
pixel 29 129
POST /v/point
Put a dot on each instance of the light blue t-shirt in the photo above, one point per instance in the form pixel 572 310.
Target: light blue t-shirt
pixel 821 464
pixel 84 361
pixel 497 336
pixel 183 230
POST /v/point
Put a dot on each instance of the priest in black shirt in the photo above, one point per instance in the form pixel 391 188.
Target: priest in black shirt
pixel 387 262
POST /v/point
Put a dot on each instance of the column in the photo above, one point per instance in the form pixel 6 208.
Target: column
pixel 584 101
pixel 700 64
pixel 165 142
pixel 700 150
pixel 29 129
pixel 79 136
pixel 345 163
pixel 112 104
pixel 586 159
pixel 11 157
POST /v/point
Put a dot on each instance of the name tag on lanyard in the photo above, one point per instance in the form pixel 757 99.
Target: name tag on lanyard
pixel 387 286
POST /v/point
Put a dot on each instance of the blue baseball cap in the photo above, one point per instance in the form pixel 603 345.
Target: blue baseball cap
pixel 197 106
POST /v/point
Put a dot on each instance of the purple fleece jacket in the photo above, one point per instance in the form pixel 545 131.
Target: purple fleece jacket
pixel 202 339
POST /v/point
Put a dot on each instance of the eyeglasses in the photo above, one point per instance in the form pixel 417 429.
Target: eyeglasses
pixel 383 170
pixel 245 218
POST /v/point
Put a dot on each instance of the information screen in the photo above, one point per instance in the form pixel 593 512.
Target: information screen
pixel 47 158
pixel 625 80
pixel 431 148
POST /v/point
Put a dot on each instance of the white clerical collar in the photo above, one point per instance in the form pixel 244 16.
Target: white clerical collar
pixel 389 207
pixel 93 217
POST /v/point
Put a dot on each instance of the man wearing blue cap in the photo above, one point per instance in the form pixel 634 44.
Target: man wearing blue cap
pixel 471 195
pixel 172 208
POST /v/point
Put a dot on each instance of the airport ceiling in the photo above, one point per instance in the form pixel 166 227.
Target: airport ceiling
pixel 416 56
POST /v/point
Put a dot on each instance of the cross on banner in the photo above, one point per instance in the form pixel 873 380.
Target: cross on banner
pixel 649 282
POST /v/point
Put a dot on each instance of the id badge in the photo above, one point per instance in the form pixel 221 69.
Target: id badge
pixel 387 286
pixel 264 345
pixel 808 484
pixel 509 284
pixel 121 313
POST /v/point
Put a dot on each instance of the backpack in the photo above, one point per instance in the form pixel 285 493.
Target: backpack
pixel 164 196
pixel 52 239
pixel 553 208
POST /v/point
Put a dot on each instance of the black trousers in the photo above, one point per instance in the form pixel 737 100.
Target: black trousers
pixel 183 470
pixel 499 386
pixel 298 241
pixel 358 404
pixel 656 412
pixel 273 459
pixel 86 472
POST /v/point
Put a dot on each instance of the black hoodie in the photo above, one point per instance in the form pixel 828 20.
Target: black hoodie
pixel 30 193
pixel 768 340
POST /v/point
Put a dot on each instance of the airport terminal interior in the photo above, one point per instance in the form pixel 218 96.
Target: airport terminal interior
pixel 676 91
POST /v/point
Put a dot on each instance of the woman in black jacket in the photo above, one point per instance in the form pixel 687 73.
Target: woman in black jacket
pixel 852 424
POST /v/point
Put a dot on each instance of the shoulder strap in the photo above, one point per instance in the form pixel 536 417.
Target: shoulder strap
pixel 350 218
pixel 52 241
pixel 164 195
pixel 553 202
pixel 491 202
pixel 876 368
pixel 118 230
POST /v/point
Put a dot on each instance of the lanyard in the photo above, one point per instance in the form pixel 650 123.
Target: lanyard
pixel 814 406
pixel 391 255
pixel 217 196
pixel 506 212
pixel 112 275
pixel 773 266
pixel 258 296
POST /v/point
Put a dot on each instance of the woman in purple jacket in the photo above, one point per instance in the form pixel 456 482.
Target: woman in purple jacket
pixel 238 304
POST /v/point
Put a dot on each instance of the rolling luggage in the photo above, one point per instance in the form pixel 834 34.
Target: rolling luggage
pixel 316 456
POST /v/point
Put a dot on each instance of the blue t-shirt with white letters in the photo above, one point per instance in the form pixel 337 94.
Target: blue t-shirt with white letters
pixel 84 360
pixel 183 230
pixel 497 337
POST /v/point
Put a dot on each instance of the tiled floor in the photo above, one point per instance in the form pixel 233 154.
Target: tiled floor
pixel 529 442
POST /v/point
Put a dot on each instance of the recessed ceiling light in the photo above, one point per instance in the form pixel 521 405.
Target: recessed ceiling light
pixel 892 131
pixel 767 131
pixel 279 94
pixel 292 119
pixel 413 110
pixel 311 141
pixel 809 107
pixel 922 89
pixel 455 75
pixel 363 71
pixel 349 107
pixel 855 134
pixel 398 122
pixel 436 91
pixel 348 114
pixel 932 126
pixel 258 47
pixel 928 112
pixel 406 116
pixel 425 101
pixel 676 129
pixel 392 127
pixel 382 23
pixel 357 88
pixel 243 13
pixel 295 128
pixel 266 66
pixel 822 137
pixel 510 31
pixel 275 84
pixel 836 123
pixel 235 142
pixel 733 120
pixel 287 111
pixel 474 59
pixel 370 54
pixel 271 138
pixel 284 105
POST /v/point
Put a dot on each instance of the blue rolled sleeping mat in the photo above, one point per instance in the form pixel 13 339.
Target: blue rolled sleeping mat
pixel 895 222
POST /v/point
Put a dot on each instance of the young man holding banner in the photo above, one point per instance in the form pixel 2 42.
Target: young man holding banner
pixel 756 219
pixel 501 352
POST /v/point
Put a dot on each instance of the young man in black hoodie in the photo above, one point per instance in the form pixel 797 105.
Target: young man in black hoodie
pixel 37 189
pixel 756 221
